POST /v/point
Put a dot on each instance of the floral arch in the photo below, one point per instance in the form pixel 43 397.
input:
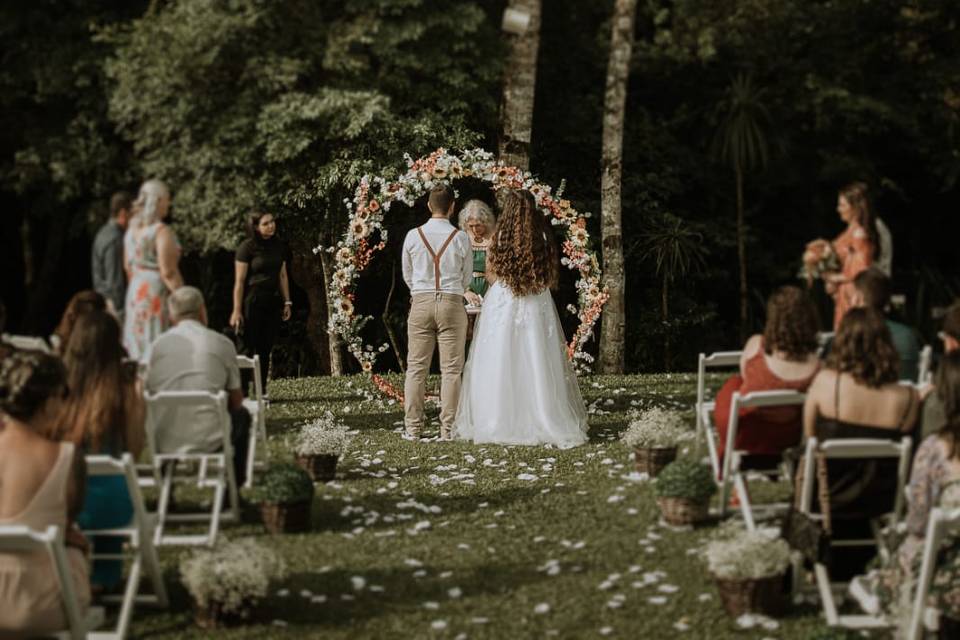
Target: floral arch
pixel 372 201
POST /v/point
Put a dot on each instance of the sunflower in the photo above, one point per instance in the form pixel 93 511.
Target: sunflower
pixel 367 366
pixel 345 306
pixel 580 236
pixel 439 172
pixel 344 255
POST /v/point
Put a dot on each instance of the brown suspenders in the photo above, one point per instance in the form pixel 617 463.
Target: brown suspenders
pixel 436 256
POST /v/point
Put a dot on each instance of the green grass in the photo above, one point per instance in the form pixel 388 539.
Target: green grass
pixel 481 548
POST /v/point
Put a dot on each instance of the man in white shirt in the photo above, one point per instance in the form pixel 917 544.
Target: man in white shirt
pixel 437 267
pixel 191 357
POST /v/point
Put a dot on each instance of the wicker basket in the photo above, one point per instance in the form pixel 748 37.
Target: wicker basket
pixel 652 460
pixel 213 616
pixel 322 468
pixel 683 511
pixel 286 518
pixel 763 595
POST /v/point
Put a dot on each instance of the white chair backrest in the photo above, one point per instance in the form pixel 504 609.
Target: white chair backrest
pixel 246 362
pixel 22 539
pixel 126 467
pixel 716 360
pixel 858 448
pixel 27 343
pixel 161 400
pixel 773 398
pixel 941 524
pixel 923 369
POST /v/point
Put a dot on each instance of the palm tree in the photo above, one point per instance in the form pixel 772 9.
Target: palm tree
pixel 676 250
pixel 741 143
pixel 613 326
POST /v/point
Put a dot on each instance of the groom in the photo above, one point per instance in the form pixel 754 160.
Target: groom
pixel 437 267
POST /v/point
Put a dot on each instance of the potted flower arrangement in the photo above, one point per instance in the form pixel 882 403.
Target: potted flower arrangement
pixel 285 494
pixel 226 582
pixel 749 569
pixel 319 445
pixel 654 435
pixel 684 489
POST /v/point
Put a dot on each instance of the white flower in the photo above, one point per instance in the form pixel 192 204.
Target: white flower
pixel 655 427
pixel 233 574
pixel 322 436
pixel 737 554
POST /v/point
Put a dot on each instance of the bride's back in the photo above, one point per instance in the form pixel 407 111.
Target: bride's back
pixel 524 255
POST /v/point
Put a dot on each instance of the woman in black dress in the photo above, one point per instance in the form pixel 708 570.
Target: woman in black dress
pixel 261 290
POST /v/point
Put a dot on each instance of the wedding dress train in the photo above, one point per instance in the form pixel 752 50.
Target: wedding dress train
pixel 518 386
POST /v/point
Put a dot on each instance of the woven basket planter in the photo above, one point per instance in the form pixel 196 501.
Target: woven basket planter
pixel 286 518
pixel 762 595
pixel 652 460
pixel 322 468
pixel 682 511
pixel 213 616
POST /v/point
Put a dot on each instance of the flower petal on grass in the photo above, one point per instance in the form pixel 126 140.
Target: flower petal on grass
pixel 542 608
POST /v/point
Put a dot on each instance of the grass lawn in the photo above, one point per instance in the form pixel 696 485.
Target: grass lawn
pixel 448 540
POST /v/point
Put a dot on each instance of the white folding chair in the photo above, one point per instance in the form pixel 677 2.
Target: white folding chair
pixel 257 408
pixel 27 343
pixel 851 449
pixel 942 523
pixel 823 341
pixel 22 539
pixel 704 408
pixel 923 370
pixel 731 473
pixel 215 470
pixel 138 534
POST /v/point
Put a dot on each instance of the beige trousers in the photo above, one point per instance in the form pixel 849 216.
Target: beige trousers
pixel 435 319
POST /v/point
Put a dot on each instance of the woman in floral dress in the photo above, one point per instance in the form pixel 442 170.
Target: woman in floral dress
pixel 856 248
pixel 934 481
pixel 155 270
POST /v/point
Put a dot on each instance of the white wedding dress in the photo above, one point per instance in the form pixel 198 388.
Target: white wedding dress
pixel 518 386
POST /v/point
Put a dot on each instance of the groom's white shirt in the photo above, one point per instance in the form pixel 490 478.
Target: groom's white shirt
pixel 456 263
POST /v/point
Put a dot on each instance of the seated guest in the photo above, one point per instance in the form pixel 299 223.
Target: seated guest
pixel 191 357
pixel 784 357
pixel 80 303
pixel 41 484
pixel 934 417
pixel 873 290
pixel 104 414
pixel 858 395
pixel 934 481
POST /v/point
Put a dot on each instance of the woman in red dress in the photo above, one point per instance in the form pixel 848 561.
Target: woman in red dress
pixel 783 358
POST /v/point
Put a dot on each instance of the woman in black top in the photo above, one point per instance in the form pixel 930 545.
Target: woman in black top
pixel 260 281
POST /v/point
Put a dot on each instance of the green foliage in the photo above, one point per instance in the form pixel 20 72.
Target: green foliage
pixel 288 104
pixel 686 479
pixel 674 247
pixel 283 483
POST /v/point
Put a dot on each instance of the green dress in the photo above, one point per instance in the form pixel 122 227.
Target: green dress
pixel 479 283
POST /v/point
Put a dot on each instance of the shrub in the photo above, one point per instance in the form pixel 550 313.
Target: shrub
pixel 283 483
pixel 686 479
pixel 234 574
pixel 321 436
pixel 738 554
pixel 655 428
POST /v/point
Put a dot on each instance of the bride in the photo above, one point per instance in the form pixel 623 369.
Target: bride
pixel 518 387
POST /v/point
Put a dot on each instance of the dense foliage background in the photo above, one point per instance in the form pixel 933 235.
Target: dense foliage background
pixel 240 102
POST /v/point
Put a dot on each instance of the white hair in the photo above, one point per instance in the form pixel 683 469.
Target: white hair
pixel 186 303
pixel 477 210
pixel 148 200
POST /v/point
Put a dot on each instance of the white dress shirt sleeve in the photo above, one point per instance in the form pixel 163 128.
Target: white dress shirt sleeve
pixel 406 262
pixel 467 252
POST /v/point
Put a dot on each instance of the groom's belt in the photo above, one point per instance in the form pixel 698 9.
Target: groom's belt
pixel 438 294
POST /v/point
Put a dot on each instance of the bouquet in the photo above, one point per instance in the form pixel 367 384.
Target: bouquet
pixel 818 258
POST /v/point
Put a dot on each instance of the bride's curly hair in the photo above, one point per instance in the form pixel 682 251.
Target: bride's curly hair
pixel 524 254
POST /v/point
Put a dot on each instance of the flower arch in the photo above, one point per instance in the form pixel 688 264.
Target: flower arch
pixel 375 195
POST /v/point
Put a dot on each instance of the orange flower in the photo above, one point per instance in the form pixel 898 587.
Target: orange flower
pixel 156 306
pixel 374 206
pixel 143 291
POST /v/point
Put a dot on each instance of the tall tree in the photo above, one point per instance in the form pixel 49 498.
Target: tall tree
pixel 613 327
pixel 522 19
pixel 741 143
pixel 289 104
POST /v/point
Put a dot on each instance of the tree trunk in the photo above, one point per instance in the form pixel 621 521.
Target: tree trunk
pixel 613 325
pixel 665 316
pixel 741 254
pixel 516 108
pixel 304 273
pixel 333 340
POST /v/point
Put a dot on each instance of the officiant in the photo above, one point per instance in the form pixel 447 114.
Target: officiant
pixel 476 218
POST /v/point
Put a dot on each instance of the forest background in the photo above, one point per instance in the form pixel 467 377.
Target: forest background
pixel 243 103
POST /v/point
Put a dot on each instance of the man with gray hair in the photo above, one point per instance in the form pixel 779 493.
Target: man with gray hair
pixel 191 357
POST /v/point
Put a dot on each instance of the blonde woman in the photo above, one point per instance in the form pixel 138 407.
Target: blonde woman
pixel 154 262
pixel 476 218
